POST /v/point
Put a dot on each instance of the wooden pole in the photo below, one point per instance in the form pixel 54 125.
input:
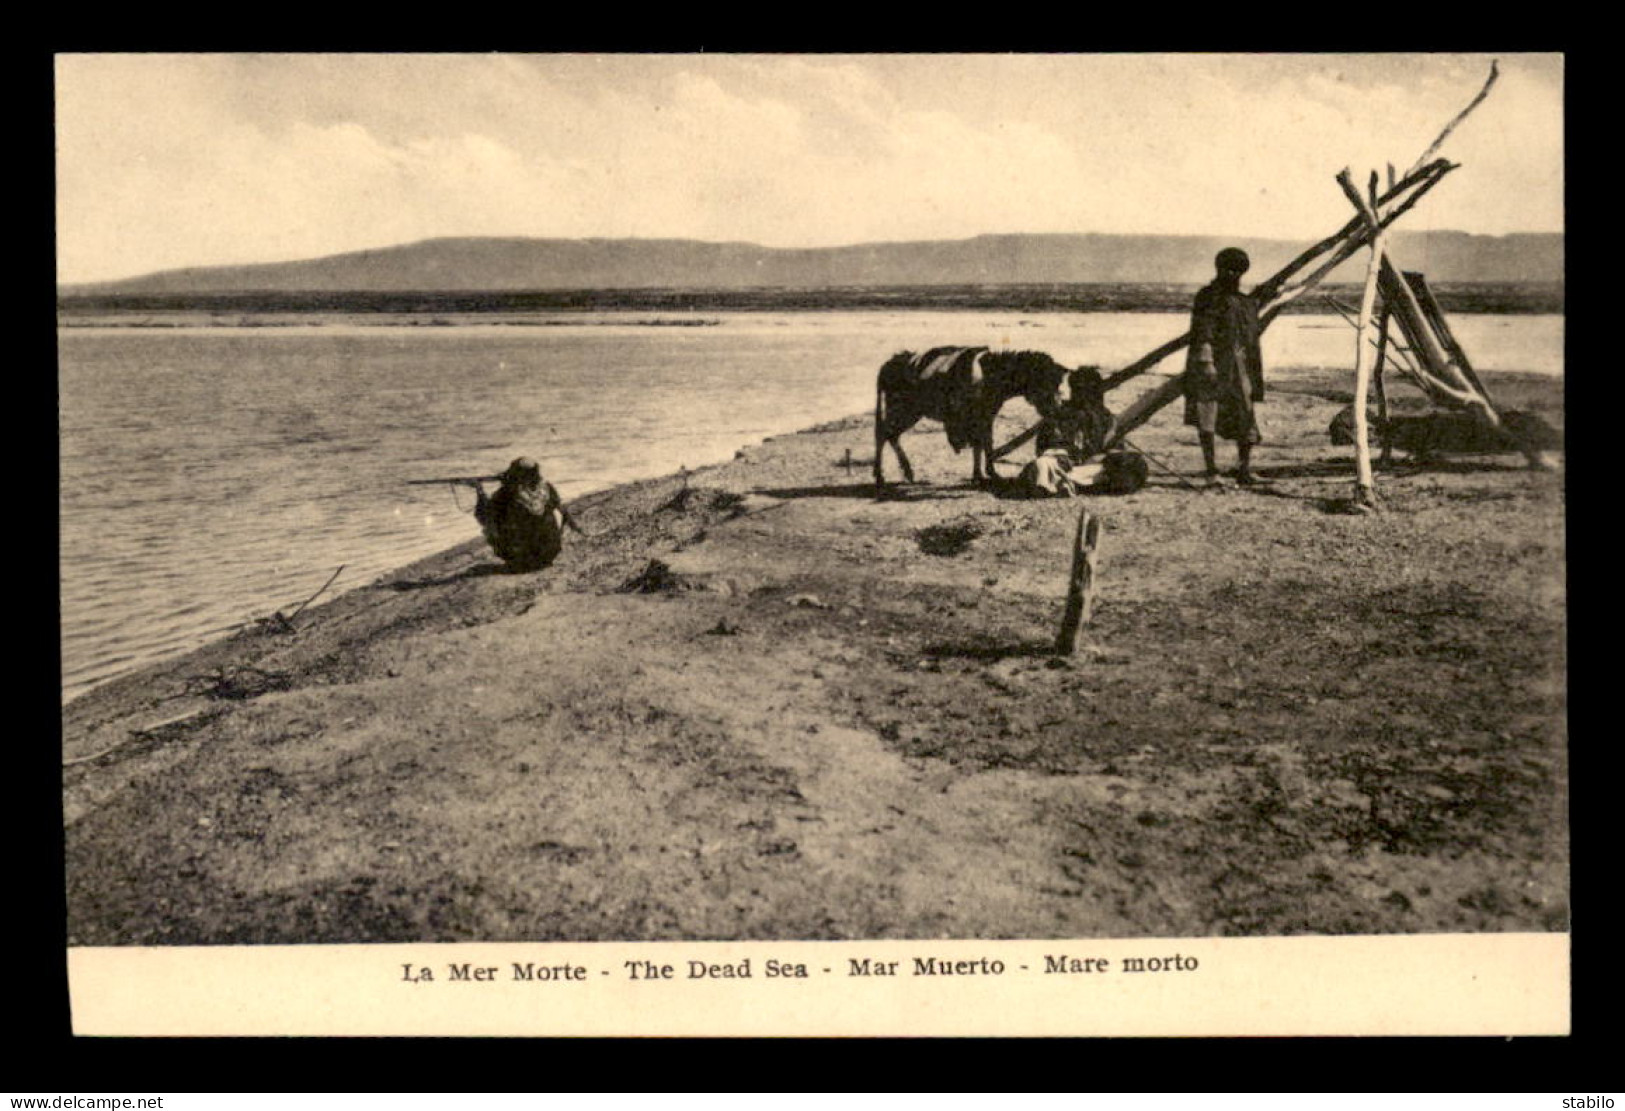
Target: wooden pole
pixel 1349 248
pixel 1274 294
pixel 1406 339
pixel 1441 324
pixel 1000 452
pixel 1382 391
pixel 1080 592
pixel 1425 342
pixel 1144 407
pixel 1436 374
pixel 1495 72
pixel 1397 356
pixel 1439 373
pixel 1365 493
pixel 1427 175
pixel 1146 362
pixel 1346 245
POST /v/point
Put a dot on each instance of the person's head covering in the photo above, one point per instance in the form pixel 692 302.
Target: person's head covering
pixel 523 471
pixel 1232 260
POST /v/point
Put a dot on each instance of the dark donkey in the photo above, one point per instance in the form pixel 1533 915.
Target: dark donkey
pixel 964 388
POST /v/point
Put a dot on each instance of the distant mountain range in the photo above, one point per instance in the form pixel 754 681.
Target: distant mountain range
pixel 541 264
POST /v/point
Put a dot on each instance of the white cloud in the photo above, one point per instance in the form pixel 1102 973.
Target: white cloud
pixel 215 159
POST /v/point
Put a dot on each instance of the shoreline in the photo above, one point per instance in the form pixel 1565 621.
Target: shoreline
pixel 702 316
pixel 597 488
pixel 99 629
pixel 758 703
pixel 1494 296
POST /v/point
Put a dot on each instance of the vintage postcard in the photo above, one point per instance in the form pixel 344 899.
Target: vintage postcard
pixel 813 544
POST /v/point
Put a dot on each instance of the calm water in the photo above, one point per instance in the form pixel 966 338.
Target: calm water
pixel 214 475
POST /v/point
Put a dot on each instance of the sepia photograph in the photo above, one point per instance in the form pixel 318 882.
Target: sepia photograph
pixel 929 498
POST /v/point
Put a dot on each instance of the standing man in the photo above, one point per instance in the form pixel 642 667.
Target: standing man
pixel 1224 373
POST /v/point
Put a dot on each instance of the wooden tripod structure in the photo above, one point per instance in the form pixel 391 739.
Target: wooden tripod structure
pixel 1432 358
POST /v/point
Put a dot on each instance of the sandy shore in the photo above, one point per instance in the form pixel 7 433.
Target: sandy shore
pixel 819 715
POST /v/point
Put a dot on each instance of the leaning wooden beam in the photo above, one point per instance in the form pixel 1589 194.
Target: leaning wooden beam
pixel 1267 289
pixel 1382 390
pixel 1495 71
pixel 1366 491
pixel 1438 374
pixel 1441 325
pixel 1343 246
pixel 1401 300
pixel 1274 295
pixel 1419 336
pixel 1395 355
pixel 1407 364
pixel 1346 244
pixel 1347 249
pixel 1434 387
pixel 1146 362
pixel 1080 592
pixel 1144 407
pixel 1012 445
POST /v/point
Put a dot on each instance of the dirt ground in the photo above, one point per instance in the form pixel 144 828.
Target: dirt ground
pixel 760 703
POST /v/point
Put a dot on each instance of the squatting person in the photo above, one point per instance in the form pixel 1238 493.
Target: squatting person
pixel 524 520
pixel 1224 372
pixel 1074 433
pixel 1066 438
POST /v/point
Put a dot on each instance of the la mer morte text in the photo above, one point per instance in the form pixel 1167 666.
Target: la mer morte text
pixel 645 971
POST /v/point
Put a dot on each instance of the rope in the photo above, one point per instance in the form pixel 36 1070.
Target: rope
pixel 1163 467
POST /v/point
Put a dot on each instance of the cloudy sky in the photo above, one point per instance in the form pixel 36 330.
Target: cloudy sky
pixel 166 160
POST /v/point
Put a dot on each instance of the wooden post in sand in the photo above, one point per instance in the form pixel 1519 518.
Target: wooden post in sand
pixel 1382 390
pixel 1080 591
pixel 1365 493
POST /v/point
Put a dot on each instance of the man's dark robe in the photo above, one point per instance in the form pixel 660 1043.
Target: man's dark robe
pixel 1224 326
